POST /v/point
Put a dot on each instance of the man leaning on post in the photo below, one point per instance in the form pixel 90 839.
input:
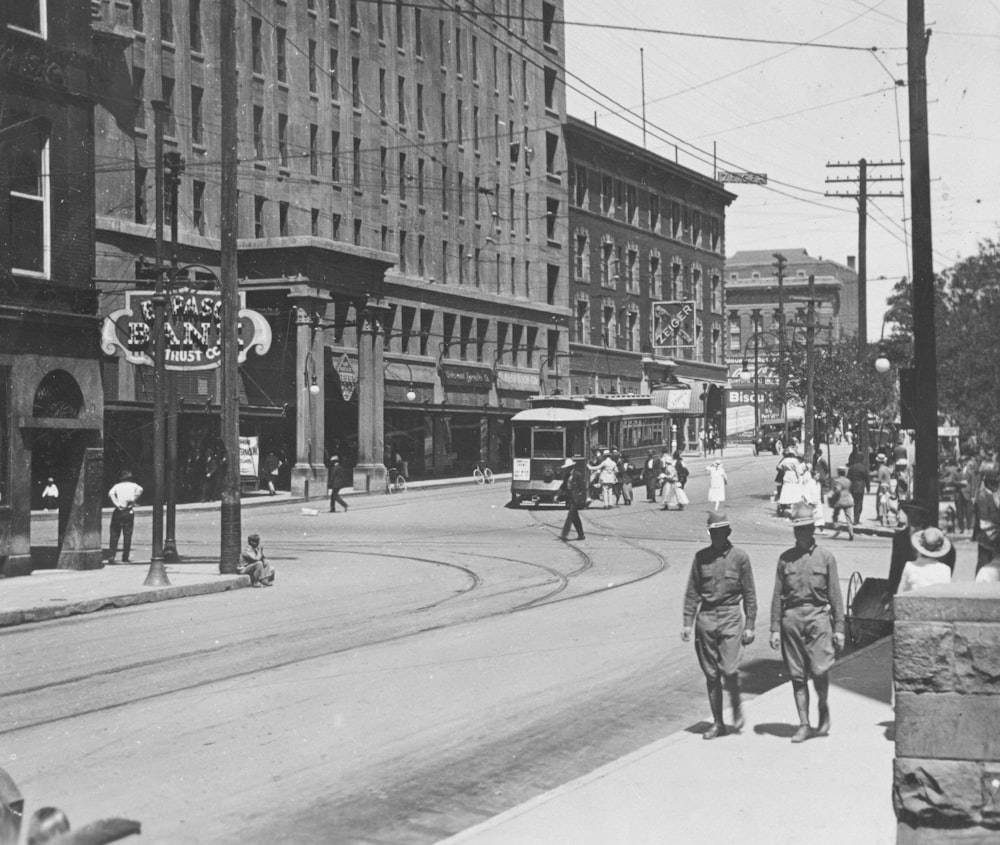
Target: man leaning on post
pixel 720 579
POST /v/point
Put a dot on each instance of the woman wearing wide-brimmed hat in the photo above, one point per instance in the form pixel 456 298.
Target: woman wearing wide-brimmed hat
pixel 929 568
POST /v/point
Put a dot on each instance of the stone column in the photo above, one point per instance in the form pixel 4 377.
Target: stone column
pixel 369 472
pixel 309 472
pixel 946 666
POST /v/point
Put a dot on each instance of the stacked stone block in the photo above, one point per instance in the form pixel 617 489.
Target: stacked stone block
pixel 946 666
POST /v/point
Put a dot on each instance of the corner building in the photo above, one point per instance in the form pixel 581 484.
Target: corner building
pixel 401 223
pixel 643 230
pixel 51 404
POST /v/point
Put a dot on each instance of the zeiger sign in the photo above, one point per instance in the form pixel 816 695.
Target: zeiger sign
pixel 192 330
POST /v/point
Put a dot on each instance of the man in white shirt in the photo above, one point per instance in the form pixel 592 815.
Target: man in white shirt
pixel 123 496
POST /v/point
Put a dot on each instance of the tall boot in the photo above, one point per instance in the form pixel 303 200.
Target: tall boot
pixel 801 692
pixel 822 684
pixel 718 727
pixel 735 700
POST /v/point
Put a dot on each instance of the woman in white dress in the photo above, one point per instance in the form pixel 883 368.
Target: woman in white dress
pixel 812 494
pixel 717 481
pixel 791 482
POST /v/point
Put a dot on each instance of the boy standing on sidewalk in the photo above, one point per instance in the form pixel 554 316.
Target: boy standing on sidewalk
pixel 123 496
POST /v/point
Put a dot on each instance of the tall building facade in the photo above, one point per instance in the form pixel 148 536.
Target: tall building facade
pixel 51 403
pixel 758 306
pixel 644 230
pixel 401 188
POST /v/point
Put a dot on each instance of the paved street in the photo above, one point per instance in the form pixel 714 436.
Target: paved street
pixel 426 661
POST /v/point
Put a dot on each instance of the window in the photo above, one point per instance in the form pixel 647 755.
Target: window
pixel 551 218
pixel 444 262
pixel 607 257
pixel 475 200
pixel 421 267
pixel 418 38
pixel 552 282
pixel 458 51
pixel 510 75
pixel 335 226
pixel 475 59
pixel 401 98
pixel 283 219
pixel 400 31
pixel 334 79
pixel 580 195
pixel 464 337
pixel 444 118
pixel 420 182
pixel 482 330
pixel 166 18
pixel 461 194
pixel 426 321
pixel 654 213
pixel 138 19
pixel 27 180
pixel 716 293
pixel 475 129
pixel 313 149
pixel 355 24
pixel 197 119
pixel 734 332
pixel 258 133
pixel 608 324
pixel 406 328
pixel 380 20
pixel 169 124
pixel 632 342
pixel 548 19
pixel 496 72
pixel 381 94
pixel 443 41
pixel 551 152
pixel 384 241
pixel 198 206
pixel 334 9
pixel 459 123
pixel 335 156
pixel 632 205
pixel 581 319
pixel 194 25
pixel 402 177
pixel 355 83
pixel 524 81
pixel 283 141
pixel 477 277
pixel 527 217
pixel 510 210
pixel 402 250
pixel 139 96
pixel 357 164
pixel 461 264
pixel 444 189
pixel 382 153
pixel 581 257
pixel 447 332
pixel 420 108
pixel 256 47
pixel 141 213
pixel 312 66
pixel 655 275
pixel 632 269
pixel 607 195
pixel 258 217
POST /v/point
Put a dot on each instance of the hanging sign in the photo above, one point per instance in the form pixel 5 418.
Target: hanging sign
pixel 192 330
pixel 348 377
pixel 673 324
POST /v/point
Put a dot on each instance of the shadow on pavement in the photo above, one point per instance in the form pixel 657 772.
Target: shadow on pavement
pixel 761 675
pixel 782 730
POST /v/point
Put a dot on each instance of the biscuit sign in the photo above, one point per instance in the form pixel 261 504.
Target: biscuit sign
pixel 192 330
pixel 673 324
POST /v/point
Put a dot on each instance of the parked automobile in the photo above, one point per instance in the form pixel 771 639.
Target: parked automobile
pixel 772 432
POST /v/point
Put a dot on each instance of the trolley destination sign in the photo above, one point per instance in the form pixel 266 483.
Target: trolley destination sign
pixel 192 330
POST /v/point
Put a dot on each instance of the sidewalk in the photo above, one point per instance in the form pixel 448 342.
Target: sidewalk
pixel 756 788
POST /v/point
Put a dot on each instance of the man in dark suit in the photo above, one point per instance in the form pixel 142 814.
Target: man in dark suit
pixel 651 473
pixel 857 474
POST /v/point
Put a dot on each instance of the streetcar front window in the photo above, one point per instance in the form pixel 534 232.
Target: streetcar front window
pixel 549 443
pixel 522 441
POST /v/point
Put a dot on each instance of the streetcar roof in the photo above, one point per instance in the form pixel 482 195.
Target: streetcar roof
pixel 586 413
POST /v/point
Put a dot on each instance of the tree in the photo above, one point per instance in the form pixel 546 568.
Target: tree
pixel 966 315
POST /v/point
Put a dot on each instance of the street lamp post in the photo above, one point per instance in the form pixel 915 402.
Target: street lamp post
pixel 745 375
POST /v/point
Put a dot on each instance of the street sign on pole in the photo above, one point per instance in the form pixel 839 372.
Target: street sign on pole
pixel 742 177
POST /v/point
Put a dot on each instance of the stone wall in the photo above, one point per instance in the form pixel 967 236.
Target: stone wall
pixel 946 666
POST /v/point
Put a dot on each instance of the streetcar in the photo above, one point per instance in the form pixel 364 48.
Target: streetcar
pixel 555 428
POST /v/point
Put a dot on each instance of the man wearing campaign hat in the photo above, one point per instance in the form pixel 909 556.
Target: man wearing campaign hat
pixel 720 579
pixel 806 595
pixel 574 493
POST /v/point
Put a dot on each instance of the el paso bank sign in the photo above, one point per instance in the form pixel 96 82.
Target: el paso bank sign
pixel 192 330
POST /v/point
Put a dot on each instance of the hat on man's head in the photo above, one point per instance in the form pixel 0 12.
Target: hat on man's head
pixel 717 519
pixel 931 542
pixel 334 459
pixel 802 514
pixel 569 462
pixel 880 458
pixel 124 475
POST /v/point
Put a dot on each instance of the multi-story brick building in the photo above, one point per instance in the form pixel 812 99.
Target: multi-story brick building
pixel 643 230
pixel 401 172
pixel 756 306
pixel 51 404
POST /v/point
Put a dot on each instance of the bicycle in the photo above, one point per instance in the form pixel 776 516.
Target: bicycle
pixel 395 481
pixel 482 474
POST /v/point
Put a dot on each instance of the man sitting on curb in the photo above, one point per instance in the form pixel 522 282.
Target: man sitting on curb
pixel 253 563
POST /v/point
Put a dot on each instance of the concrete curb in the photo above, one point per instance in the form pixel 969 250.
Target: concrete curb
pixel 150 594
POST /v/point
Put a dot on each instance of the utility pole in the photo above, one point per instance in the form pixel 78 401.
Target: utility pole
pixel 157 574
pixel 780 263
pixel 173 165
pixel 924 337
pixel 229 230
pixel 862 195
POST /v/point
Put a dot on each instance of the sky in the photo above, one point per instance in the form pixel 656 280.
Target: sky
pixel 790 109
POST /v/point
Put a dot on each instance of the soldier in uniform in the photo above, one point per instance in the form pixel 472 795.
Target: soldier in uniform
pixel 806 595
pixel 720 579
